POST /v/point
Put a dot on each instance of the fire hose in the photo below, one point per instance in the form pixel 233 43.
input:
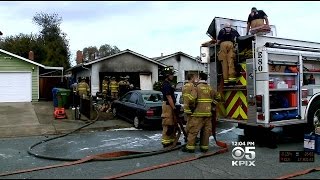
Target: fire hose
pixel 110 156
pixel 118 155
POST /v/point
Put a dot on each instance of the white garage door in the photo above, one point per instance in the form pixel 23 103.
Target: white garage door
pixel 145 82
pixel 15 87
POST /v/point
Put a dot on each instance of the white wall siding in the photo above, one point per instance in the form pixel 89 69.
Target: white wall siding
pixel 186 64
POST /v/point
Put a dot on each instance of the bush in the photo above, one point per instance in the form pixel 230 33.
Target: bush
pixel 157 86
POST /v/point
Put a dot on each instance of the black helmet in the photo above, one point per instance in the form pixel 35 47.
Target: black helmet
pixel 83 78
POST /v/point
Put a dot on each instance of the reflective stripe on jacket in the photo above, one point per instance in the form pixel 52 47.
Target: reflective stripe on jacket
pixel 114 86
pixel 203 96
pixel 83 88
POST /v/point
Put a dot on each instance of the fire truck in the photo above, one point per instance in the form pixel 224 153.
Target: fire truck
pixel 278 79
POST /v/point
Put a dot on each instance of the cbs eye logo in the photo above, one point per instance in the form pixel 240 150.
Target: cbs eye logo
pixel 238 153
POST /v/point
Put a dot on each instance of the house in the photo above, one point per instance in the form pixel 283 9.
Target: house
pixel 143 71
pixel 182 64
pixel 19 77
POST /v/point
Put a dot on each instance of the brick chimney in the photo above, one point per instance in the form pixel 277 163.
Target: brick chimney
pixel 79 57
pixel 31 55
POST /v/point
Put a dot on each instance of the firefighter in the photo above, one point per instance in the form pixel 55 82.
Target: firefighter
pixel 204 97
pixel 127 84
pixel 226 39
pixel 169 119
pixel 105 86
pixel 122 86
pixel 74 92
pixel 256 18
pixel 114 88
pixel 186 95
pixel 83 88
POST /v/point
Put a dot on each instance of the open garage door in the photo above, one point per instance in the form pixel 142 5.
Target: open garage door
pixel 15 87
pixel 145 82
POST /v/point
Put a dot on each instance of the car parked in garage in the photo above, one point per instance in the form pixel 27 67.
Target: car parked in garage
pixel 141 107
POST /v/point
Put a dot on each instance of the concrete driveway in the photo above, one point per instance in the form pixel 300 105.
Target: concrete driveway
pixel 19 119
pixel 14 114
pixel 36 118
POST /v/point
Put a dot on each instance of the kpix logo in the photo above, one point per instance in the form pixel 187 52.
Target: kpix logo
pixel 239 153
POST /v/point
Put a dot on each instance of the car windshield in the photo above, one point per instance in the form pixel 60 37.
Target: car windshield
pixel 152 98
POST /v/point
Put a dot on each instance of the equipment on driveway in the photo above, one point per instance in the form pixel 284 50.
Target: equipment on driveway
pixel 59 113
pixel 60 102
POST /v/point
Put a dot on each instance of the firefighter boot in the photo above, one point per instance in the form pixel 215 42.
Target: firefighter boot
pixel 203 150
pixel 185 149
pixel 170 144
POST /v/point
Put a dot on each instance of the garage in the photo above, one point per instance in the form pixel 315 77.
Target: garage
pixel 15 87
pixel 19 77
pixel 143 71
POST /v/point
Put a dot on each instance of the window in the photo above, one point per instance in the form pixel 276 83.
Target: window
pixel 152 98
pixel 134 98
pixel 126 97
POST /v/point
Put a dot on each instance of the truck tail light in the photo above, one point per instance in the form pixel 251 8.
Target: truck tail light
pixel 259 102
pixel 304 93
pixel 304 97
pixel 150 112
pixel 261 117
pixel 259 105
pixel 305 102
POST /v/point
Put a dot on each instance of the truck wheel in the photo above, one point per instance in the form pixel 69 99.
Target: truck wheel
pixel 313 115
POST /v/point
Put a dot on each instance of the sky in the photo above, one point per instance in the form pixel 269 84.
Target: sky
pixel 154 27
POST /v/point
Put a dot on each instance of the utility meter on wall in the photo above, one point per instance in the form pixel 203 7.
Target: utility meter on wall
pixel 205 54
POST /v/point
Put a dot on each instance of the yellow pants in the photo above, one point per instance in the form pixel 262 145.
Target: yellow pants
pixel 226 57
pixel 169 124
pixel 187 125
pixel 256 23
pixel 202 124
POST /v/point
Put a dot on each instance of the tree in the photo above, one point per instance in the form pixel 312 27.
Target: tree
pixel 21 44
pixel 91 53
pixel 53 39
pixel 107 50
pixel 50 46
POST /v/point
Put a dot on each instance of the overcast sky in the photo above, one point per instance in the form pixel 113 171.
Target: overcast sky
pixel 151 28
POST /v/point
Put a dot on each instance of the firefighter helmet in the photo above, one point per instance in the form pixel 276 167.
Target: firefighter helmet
pixel 168 71
pixel 113 77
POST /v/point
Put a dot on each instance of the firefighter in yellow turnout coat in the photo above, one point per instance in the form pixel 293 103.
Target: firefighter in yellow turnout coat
pixel 204 98
pixel 83 88
pixel 105 86
pixel 114 88
pixel 187 89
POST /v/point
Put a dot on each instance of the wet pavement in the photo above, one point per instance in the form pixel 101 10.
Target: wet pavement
pixel 14 156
